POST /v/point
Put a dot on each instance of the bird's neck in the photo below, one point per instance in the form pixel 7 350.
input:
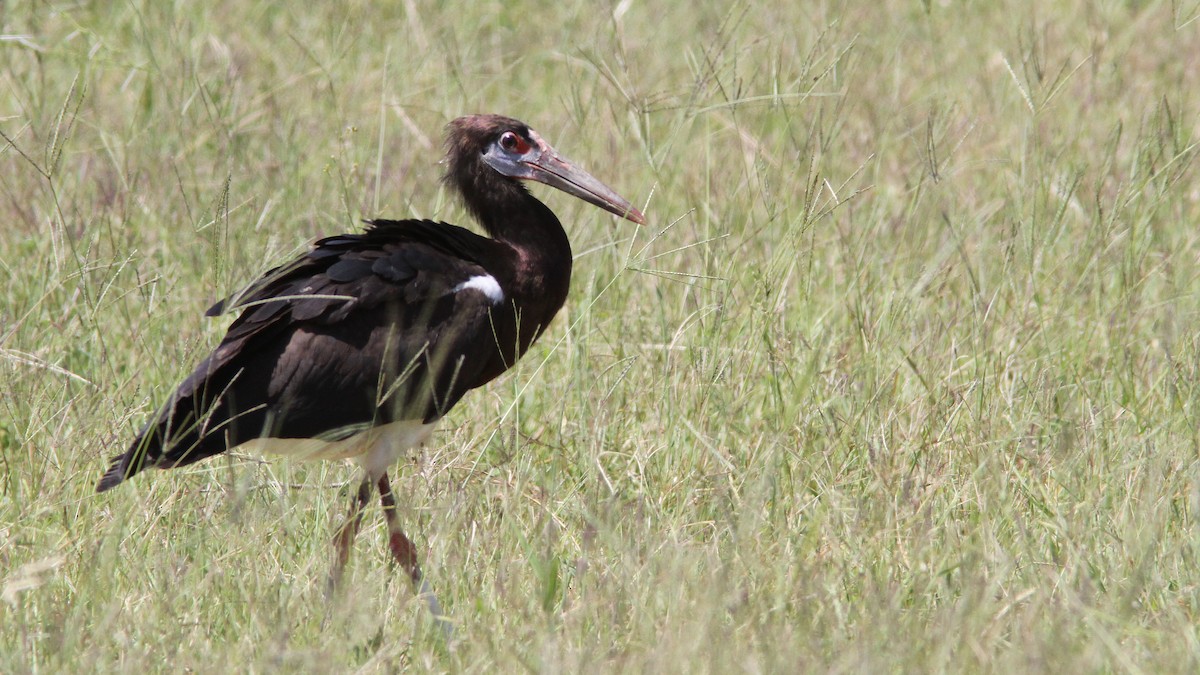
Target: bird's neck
pixel 541 266
pixel 527 225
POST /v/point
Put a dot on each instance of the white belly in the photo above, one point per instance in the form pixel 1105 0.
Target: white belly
pixel 375 449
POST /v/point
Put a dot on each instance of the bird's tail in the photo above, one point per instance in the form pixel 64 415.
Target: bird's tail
pixel 167 441
pixel 143 448
pixel 121 469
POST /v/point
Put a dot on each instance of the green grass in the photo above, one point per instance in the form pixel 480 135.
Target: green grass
pixel 900 376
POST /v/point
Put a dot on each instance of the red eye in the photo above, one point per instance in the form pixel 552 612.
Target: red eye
pixel 511 142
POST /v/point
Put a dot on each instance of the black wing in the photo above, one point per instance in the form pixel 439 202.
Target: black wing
pixel 364 329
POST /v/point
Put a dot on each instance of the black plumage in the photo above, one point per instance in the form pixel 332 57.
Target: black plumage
pixel 322 341
pixel 385 329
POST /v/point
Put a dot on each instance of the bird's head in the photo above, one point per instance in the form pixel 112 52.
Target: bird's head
pixel 487 155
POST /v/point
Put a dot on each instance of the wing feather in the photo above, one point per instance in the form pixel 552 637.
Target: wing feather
pixel 340 337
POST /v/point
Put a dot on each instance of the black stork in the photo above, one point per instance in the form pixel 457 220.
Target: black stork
pixel 357 348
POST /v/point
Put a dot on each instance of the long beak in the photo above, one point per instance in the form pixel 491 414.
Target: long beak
pixel 548 167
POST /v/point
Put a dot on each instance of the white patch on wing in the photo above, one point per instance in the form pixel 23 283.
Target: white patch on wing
pixel 486 284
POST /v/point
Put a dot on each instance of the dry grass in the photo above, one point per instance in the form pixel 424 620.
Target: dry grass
pixel 900 377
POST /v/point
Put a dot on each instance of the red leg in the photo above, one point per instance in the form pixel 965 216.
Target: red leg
pixel 346 534
pixel 402 547
pixel 405 553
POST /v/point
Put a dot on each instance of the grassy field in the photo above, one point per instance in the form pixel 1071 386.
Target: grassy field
pixel 902 375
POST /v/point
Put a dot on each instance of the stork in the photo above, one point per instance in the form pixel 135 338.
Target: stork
pixel 359 347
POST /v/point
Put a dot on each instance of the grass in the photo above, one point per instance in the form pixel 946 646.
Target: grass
pixel 900 376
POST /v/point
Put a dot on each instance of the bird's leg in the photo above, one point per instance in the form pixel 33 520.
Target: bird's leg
pixel 405 553
pixel 402 547
pixel 346 534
